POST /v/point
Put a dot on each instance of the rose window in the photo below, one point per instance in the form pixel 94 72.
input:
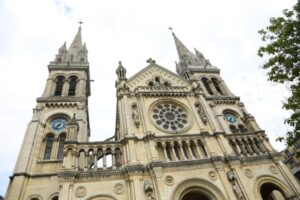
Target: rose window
pixel 169 116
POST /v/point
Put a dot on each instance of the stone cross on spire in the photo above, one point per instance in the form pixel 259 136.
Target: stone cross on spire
pixel 150 61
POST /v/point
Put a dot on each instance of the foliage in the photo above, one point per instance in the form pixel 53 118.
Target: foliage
pixel 282 48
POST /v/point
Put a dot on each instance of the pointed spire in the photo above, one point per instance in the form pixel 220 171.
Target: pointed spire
pixel 121 71
pixel 77 53
pixel 187 59
pixel 77 41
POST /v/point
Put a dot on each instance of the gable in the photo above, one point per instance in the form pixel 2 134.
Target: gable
pixel 151 72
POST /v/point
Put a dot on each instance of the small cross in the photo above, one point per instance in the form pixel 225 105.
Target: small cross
pixel 151 61
pixel 80 22
pixel 171 28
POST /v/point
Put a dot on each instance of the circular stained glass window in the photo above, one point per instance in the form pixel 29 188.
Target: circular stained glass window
pixel 169 116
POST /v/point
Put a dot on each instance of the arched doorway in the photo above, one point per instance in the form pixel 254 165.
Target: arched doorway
pixel 196 189
pixel 270 191
pixel 195 195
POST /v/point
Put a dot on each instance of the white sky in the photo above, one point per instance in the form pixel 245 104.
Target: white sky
pixel 132 31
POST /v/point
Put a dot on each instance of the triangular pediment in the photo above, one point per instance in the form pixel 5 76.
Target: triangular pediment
pixel 149 73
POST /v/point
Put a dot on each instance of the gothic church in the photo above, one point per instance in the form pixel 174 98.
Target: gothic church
pixel 178 136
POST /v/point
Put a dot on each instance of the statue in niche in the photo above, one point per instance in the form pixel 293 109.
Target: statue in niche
pixel 135 115
pixel 149 189
pixel 201 112
pixel 235 186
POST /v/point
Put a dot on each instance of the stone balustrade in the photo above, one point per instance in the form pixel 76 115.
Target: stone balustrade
pixel 182 149
pixel 247 145
pixel 92 156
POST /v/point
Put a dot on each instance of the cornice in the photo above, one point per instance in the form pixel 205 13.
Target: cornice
pixel 61 99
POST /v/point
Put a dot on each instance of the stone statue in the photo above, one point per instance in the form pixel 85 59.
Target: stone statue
pixel 148 189
pixel 135 115
pixel 201 112
pixel 235 186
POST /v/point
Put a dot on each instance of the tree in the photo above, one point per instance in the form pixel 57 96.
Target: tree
pixel 282 49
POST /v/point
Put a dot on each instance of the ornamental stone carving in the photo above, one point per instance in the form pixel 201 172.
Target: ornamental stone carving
pixel 273 169
pixel 170 117
pixel 119 188
pixel 80 191
pixel 235 185
pixel 201 112
pixel 135 115
pixel 149 190
pixel 248 173
pixel 212 175
pixel 169 180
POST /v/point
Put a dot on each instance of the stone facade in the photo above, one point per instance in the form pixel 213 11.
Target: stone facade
pixel 178 137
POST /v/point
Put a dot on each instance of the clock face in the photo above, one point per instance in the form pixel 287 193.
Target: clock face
pixel 230 117
pixel 58 124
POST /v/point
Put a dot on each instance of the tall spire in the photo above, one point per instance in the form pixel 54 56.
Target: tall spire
pixel 187 59
pixel 77 43
pixel 76 52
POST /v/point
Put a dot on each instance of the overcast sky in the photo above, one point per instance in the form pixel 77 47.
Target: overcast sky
pixel 225 32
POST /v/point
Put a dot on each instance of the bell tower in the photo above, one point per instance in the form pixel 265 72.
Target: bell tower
pixel 60 113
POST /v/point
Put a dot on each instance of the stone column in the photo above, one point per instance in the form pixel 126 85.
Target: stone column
pixel 189 149
pixel 182 152
pixel 65 90
pixel 104 159
pixel 86 155
pixel 165 152
pixel 173 151
pixel 95 154
pixel 113 154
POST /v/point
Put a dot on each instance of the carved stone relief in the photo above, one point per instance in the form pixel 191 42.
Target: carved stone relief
pixel 135 115
pixel 169 180
pixel 80 191
pixel 119 188
pixel 235 185
pixel 273 169
pixel 149 190
pixel 248 173
pixel 212 175
pixel 201 112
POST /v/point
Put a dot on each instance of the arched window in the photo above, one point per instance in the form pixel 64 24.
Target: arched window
pixel 242 129
pixel 270 190
pixel 55 198
pixel 206 85
pixel 34 199
pixel 216 84
pixel 48 147
pixel 59 85
pixel 60 152
pixel 233 129
pixel 157 81
pixel 72 86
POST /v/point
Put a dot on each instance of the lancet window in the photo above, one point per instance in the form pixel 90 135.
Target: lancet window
pixel 217 85
pixel 60 152
pixel 48 147
pixel 59 85
pixel 72 85
pixel 205 82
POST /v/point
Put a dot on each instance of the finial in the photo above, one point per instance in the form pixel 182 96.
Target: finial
pixel 120 64
pixel 74 119
pixel 80 22
pixel 151 61
pixel 171 30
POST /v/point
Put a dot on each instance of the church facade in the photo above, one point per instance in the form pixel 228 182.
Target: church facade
pixel 178 136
